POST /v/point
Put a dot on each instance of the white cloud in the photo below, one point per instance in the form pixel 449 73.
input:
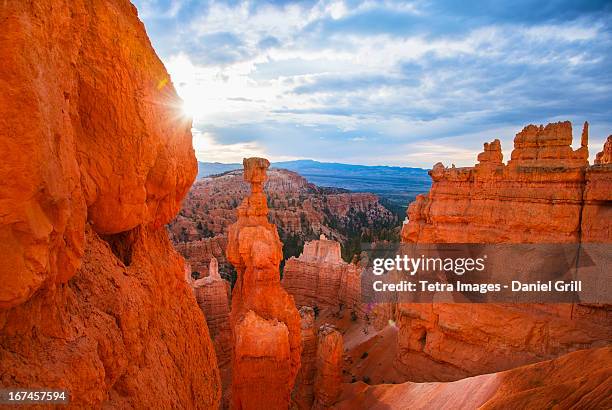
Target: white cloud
pixel 150 9
pixel 283 22
pixel 337 10
pixel 208 149
pixel 578 31
pixel 258 88
pixel 428 153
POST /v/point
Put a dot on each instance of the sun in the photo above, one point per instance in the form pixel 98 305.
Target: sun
pixel 189 107
pixel 183 74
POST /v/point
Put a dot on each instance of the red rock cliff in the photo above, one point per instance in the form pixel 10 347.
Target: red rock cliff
pixel 265 321
pixel 547 193
pixel 597 212
pixel 537 197
pixel 95 160
pixel 201 252
pixel 605 156
pixel 300 210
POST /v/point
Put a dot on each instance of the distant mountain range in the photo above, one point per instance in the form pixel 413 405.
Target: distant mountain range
pixel 398 185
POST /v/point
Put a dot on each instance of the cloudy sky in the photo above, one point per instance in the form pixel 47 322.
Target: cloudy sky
pixel 382 82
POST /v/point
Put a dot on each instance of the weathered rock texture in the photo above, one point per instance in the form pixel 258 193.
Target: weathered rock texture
pixel 211 293
pixel 547 193
pixel 303 393
pixel 328 378
pixel 579 380
pixel 605 156
pixel 597 209
pixel 319 277
pixel 538 197
pixel 94 162
pixel 266 323
pixel 200 252
pixel 443 341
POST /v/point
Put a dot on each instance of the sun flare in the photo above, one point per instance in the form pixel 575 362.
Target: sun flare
pixel 189 108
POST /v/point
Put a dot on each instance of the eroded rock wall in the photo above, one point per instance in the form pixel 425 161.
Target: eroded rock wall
pixel 319 277
pixel 319 381
pixel 95 160
pixel 212 294
pixel 547 193
pixel 597 209
pixel 443 341
pixel 537 197
pixel 605 156
pixel 300 210
pixel 200 252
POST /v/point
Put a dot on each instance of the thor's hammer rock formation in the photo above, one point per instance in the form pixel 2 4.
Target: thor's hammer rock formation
pixel 265 321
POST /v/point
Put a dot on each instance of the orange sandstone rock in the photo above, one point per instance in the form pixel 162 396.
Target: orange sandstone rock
pixel 328 379
pixel 537 197
pixel 262 364
pixel 115 333
pixel 200 253
pixel 443 341
pixel 492 154
pixel 547 193
pixel 211 293
pixel 549 146
pixel 605 156
pixel 597 209
pixel 300 210
pixel 303 393
pixel 266 323
pixel 319 277
pixel 95 160
pixel 73 145
pixel 576 380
